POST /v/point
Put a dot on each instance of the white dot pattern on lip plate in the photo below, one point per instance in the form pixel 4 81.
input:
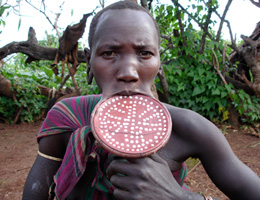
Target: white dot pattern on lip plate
pixel 132 124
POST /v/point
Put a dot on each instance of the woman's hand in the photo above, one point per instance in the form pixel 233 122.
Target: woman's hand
pixel 143 178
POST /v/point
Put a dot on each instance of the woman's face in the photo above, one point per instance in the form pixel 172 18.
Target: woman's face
pixel 125 53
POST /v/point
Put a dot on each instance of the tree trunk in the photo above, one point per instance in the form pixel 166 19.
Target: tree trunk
pixel 248 56
pixel 6 87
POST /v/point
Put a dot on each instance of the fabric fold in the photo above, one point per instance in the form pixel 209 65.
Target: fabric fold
pixel 74 162
pixel 71 115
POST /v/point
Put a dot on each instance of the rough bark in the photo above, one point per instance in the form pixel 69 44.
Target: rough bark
pixel 251 56
pixel 34 51
pixel 6 87
pixel 248 56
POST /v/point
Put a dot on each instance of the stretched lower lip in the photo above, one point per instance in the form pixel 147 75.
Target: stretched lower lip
pixel 126 93
pixel 129 93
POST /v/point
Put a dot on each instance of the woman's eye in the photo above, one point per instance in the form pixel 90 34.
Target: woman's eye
pixel 145 54
pixel 109 54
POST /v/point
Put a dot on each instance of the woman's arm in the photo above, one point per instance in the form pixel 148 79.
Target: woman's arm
pixel 40 179
pixel 41 174
pixel 229 174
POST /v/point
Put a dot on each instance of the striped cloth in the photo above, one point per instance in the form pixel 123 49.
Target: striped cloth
pixel 73 115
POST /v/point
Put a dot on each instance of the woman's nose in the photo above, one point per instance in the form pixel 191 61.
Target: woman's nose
pixel 127 71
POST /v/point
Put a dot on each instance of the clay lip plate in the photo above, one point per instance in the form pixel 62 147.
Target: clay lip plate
pixel 131 126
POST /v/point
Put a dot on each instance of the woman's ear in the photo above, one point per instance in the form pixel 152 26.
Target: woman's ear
pixel 87 54
pixel 89 72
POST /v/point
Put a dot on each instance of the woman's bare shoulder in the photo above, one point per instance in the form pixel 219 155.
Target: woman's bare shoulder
pixel 183 115
pixel 190 123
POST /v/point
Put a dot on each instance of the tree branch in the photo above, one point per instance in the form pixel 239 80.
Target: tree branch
pixel 180 23
pixel 247 82
pixel 233 42
pixel 46 16
pixel 247 40
pixel 202 43
pixel 34 50
pixel 216 67
pixel 200 24
pixel 169 46
pixel 256 3
pixel 164 84
pixel 223 19
pixel 239 85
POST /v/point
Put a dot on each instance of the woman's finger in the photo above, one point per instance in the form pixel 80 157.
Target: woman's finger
pixel 120 194
pixel 118 166
pixel 120 181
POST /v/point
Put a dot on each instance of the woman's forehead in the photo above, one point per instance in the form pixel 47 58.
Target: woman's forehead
pixel 127 13
pixel 126 22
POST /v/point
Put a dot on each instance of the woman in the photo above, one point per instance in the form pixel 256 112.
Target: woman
pixel 124 58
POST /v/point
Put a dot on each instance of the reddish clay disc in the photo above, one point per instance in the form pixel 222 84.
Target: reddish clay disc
pixel 131 126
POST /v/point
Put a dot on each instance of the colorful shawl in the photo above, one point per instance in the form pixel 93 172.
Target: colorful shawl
pixel 73 115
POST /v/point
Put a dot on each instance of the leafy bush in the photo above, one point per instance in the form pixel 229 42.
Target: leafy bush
pixel 247 106
pixel 24 83
pixel 193 81
pixel 25 78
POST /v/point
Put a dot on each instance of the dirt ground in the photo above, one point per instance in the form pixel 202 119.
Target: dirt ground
pixel 18 149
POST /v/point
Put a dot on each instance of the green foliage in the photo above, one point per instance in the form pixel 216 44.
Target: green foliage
pixel 24 83
pixel 247 106
pixel 195 86
pixel 193 81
